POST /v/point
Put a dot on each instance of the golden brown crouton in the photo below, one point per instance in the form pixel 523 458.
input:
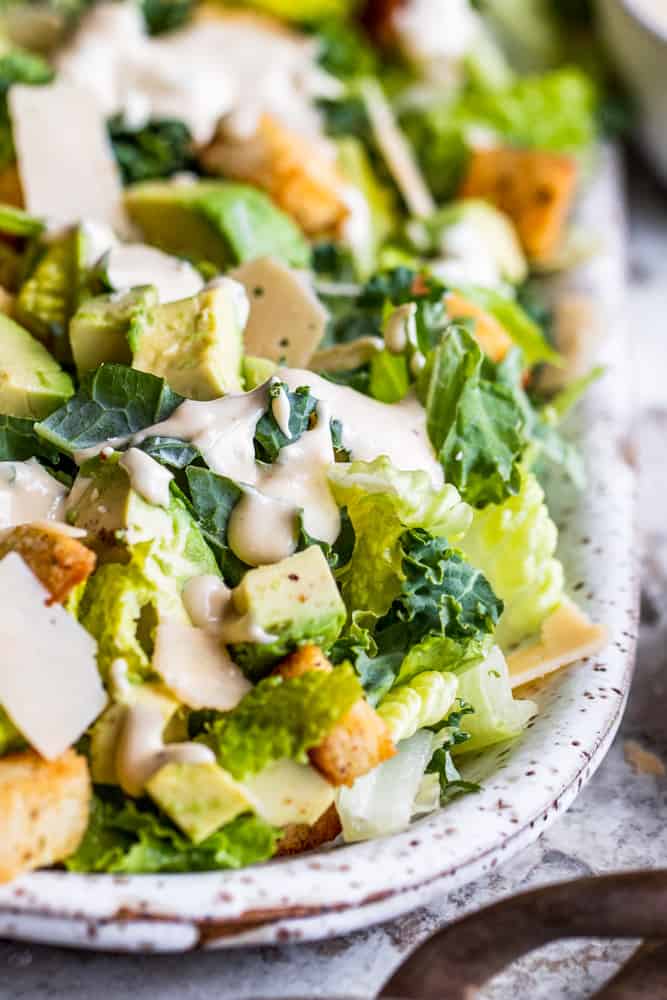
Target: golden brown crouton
pixel 289 167
pixel 533 187
pixel 491 335
pixel 59 561
pixel 11 192
pixel 43 810
pixel 356 744
pixel 300 837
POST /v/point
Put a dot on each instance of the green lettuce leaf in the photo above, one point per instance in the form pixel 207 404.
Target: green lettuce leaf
pixel 213 499
pixel 114 401
pixel 130 837
pixel 515 544
pixel 122 601
pixel 159 148
pixel 497 715
pixel 450 735
pixel 171 452
pixel 382 502
pixel 424 701
pixel 269 439
pixel 523 330
pixel 553 111
pixel 282 719
pixel 441 595
pixel 474 421
pixel 18 442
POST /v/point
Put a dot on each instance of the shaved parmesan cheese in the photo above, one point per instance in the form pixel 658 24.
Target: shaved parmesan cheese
pixel 196 667
pixel 287 320
pixel 287 792
pixel 130 264
pixel 396 151
pixel 49 683
pixel 64 158
pixel 567 635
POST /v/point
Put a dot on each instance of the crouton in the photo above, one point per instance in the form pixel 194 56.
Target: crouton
pixel 289 167
pixel 11 192
pixel 533 187
pixel 43 810
pixel 59 561
pixel 300 837
pixel 356 744
pixel 490 334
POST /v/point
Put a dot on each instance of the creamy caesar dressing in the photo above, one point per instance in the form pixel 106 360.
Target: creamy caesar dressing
pixel 234 65
pixel 28 493
pixel 147 477
pixel 655 11
pixel 130 264
pixel 401 328
pixel 299 476
pixel 223 430
pixel 437 34
pixel 281 410
pixel 370 428
pixel 262 529
pixel 141 750
pixel 209 603
pixel 196 667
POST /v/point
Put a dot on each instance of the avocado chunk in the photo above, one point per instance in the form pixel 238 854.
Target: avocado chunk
pixel 296 600
pixel 199 798
pixel 47 300
pixel 216 221
pixel 102 327
pixel 32 383
pixel 257 371
pixel 195 344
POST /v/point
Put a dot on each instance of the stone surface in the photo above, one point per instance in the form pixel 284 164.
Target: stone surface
pixel 619 822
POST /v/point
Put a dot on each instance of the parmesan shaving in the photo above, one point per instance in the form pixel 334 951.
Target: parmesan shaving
pixel 567 635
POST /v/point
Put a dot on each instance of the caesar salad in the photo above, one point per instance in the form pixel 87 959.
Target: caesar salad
pixel 279 376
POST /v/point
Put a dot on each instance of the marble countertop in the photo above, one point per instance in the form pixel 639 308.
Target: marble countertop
pixel 619 822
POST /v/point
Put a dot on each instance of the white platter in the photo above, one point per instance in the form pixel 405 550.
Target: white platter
pixel 526 786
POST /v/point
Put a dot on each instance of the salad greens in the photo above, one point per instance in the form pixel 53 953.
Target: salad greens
pixel 291 609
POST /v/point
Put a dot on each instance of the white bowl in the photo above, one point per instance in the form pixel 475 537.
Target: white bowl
pixel 635 32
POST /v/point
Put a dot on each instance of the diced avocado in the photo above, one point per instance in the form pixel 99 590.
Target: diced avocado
pixel 286 792
pixel 216 221
pixel 257 371
pixel 496 231
pixel 296 600
pixel 195 344
pixel 104 735
pixel 32 383
pixel 47 300
pixel 199 798
pixel 115 516
pixel 102 327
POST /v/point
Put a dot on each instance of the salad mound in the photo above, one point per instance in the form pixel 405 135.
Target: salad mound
pixel 279 376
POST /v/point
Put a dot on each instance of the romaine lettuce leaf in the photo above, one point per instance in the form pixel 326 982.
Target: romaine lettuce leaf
pixel 382 502
pixel 159 148
pixel 281 719
pixel 133 837
pixel 554 111
pixel 423 701
pixel 473 420
pixel 523 330
pixel 497 716
pixel 515 544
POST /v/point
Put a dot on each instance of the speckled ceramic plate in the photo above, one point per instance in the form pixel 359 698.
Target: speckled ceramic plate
pixel 525 786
